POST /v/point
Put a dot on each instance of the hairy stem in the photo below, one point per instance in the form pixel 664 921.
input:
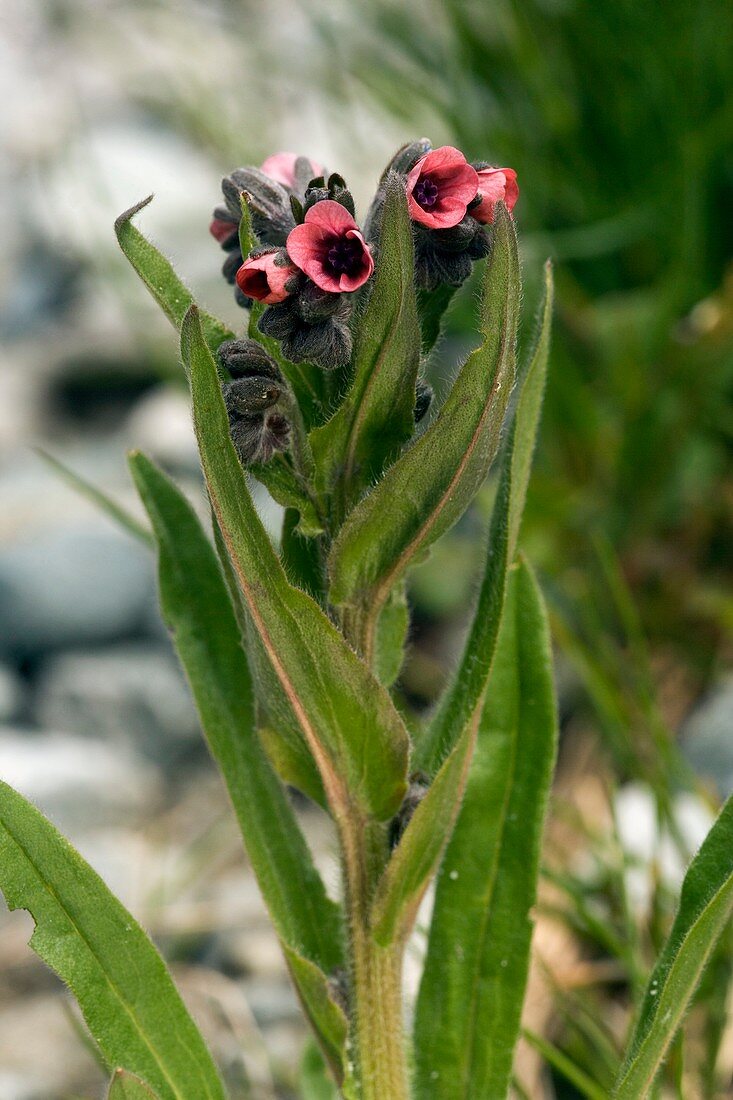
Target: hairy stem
pixel 376 972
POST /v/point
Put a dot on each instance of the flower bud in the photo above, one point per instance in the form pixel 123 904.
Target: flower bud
pixel 267 276
pixel 326 342
pixel 258 438
pixel 423 398
pixel 494 185
pixel 445 256
pixel 258 427
pixel 268 200
pixel 416 791
pixel 247 358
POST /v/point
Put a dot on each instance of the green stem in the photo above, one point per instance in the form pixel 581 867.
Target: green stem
pixel 376 973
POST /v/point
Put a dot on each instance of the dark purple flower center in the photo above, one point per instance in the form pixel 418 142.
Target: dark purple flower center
pixel 344 255
pixel 426 192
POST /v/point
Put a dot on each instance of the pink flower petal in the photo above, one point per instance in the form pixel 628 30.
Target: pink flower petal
pixel 495 185
pixel 262 278
pixel 457 184
pixel 281 167
pixel 308 247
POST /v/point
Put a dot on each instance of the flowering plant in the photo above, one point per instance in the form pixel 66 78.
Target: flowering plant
pixel 292 653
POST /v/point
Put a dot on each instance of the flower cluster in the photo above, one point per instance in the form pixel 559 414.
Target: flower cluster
pixel 312 258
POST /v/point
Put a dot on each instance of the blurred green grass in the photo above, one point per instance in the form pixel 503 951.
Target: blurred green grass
pixel 618 116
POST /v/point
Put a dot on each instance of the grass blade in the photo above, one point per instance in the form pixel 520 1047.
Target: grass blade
pixel 705 910
pixel 100 499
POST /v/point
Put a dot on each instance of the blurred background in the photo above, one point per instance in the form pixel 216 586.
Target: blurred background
pixel 618 117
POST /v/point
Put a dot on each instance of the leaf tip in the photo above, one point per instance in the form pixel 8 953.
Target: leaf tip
pixel 127 215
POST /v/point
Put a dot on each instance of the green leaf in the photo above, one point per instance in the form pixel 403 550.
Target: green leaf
pixel 705 909
pixel 391 635
pixel 326 1017
pixel 101 500
pixel 284 486
pixel 161 280
pixel 126 1086
pixel 129 1002
pixel 377 415
pixel 464 696
pixel 197 609
pixel 302 557
pixel 470 999
pixel 433 482
pixel 343 715
pixel 432 306
pixel 315 1080
pixel 406 876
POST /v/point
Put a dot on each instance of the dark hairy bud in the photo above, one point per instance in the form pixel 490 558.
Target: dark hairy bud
pixel 246 358
pixel 423 399
pixel 312 326
pixel 416 791
pixel 257 424
pixel 447 255
pixel 272 218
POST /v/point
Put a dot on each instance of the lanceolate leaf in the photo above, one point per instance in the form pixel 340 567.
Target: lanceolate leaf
pixel 377 414
pixel 464 696
pixel 161 280
pixel 83 933
pixel 391 636
pixel 432 306
pixel 345 718
pixel 197 609
pixel 126 1086
pixel 706 907
pixel 432 484
pixel 410 869
pixel 326 1017
pixel 470 999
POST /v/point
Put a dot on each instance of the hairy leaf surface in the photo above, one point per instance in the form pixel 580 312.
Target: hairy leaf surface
pixel 434 481
pixel 344 716
pixel 85 934
pixel 161 280
pixel 377 415
pixel 197 609
pixel 464 696
pixel 126 1086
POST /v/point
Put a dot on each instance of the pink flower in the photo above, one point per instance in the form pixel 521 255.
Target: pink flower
pixel 330 248
pixel 281 167
pixel 495 185
pixel 261 277
pixel 440 187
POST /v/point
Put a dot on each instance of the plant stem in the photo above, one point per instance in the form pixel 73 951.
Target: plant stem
pixel 376 973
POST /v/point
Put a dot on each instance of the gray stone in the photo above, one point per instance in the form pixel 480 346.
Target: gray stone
pixel 78 782
pixel 707 737
pixel 130 693
pixel 72 586
pixel 12 694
